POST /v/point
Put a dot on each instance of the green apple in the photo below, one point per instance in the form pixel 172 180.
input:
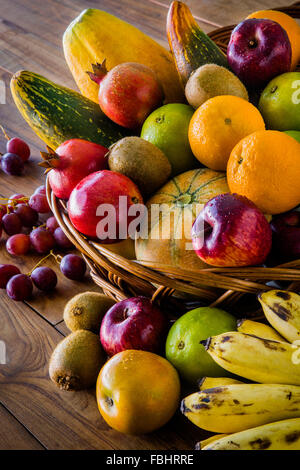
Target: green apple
pixel 183 348
pixel 279 103
pixel 295 134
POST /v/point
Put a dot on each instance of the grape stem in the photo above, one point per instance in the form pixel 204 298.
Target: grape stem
pixel 13 202
pixel 57 258
pixel 4 133
pixel 39 263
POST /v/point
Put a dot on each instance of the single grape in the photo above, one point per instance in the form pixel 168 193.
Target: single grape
pixel 12 164
pixel 19 287
pixel 19 147
pixel 44 278
pixel 62 240
pixel 40 190
pixel 13 200
pixel 28 216
pixel 11 223
pixel 73 267
pixel 42 240
pixel 3 211
pixel 39 203
pixel 52 224
pixel 18 244
pixel 6 272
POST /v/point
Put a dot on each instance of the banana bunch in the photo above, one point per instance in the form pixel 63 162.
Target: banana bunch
pixel 236 407
pixel 282 310
pixel 210 382
pixel 257 359
pixel 261 330
pixel 282 435
pixel 261 415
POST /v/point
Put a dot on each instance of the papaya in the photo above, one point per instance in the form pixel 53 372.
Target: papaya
pixel 166 237
pixel 96 35
pixel 190 46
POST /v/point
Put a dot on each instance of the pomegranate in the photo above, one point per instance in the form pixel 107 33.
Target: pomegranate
pixel 97 209
pixel 72 161
pixel 128 93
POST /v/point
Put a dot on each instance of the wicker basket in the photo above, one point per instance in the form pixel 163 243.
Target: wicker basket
pixel 121 278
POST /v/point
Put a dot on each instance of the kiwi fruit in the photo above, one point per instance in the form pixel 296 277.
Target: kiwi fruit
pixel 86 310
pixel 211 80
pixel 141 161
pixel 76 361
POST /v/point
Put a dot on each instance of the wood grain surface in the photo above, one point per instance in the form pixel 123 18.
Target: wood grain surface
pixel 223 12
pixel 34 413
pixel 14 436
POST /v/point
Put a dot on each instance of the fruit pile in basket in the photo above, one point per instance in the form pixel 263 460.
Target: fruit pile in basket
pixel 214 144
pixel 211 144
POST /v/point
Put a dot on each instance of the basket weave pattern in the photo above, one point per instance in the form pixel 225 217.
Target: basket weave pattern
pixel 121 278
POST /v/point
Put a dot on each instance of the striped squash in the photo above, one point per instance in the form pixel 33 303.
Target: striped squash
pixel 181 198
pixel 190 46
pixel 57 114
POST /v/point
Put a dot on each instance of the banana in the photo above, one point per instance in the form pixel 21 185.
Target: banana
pixel 282 310
pixel 257 359
pixel 233 408
pixel 209 440
pixel 210 382
pixel 282 435
pixel 255 328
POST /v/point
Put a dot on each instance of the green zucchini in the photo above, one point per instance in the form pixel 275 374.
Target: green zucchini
pixel 57 114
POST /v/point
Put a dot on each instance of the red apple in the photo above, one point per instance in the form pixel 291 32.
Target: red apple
pixel 133 324
pixel 231 231
pixel 99 206
pixel 258 50
pixel 286 236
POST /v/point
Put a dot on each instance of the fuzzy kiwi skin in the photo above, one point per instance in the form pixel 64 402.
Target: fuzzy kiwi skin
pixel 141 161
pixel 86 310
pixel 211 80
pixel 76 361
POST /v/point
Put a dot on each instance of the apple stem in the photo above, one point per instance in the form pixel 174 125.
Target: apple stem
pixel 252 43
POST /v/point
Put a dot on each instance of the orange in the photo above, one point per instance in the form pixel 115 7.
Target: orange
pixel 137 391
pixel 289 25
pixel 218 125
pixel 265 167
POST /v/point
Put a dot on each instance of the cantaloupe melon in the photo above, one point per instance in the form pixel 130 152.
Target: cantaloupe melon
pixel 169 230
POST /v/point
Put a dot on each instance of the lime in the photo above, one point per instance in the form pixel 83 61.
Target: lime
pixel 167 128
pixel 295 134
pixel 183 348
pixel 279 103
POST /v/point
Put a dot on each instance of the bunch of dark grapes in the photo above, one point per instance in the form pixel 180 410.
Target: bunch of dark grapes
pixel 17 153
pixel 19 286
pixel 19 219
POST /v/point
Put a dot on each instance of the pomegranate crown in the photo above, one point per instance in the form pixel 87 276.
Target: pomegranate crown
pixel 50 159
pixel 99 72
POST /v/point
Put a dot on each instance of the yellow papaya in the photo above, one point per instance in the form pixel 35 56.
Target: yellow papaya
pixel 96 35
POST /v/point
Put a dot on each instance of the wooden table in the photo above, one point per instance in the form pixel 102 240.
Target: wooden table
pixel 34 414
